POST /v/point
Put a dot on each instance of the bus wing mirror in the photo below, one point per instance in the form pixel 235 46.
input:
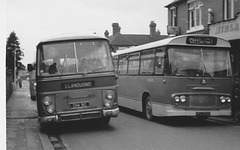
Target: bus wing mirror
pixel 29 67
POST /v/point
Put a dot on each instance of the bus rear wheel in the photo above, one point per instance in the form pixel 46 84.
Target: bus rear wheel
pixel 148 109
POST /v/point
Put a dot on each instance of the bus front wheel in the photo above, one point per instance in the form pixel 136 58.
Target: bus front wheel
pixel 148 109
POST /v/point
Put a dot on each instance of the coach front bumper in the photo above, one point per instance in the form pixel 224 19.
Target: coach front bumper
pixel 79 116
pixel 111 112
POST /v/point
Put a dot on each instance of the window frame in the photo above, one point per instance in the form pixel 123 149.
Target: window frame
pixel 173 11
pixel 129 59
pixel 228 11
pixel 147 52
pixel 195 16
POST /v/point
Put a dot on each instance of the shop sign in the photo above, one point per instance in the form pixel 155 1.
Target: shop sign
pixel 229 29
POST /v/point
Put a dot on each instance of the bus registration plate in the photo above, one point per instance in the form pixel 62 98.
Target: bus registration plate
pixel 202 114
pixel 80 105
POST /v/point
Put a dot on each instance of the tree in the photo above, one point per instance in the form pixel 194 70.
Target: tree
pixel 13 47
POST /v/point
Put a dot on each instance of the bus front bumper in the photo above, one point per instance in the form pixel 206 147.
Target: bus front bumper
pixel 111 112
pixel 79 116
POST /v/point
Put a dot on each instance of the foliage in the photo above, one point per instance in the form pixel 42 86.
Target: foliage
pixel 13 46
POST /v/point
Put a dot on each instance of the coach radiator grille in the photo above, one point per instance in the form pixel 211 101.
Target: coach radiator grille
pixel 202 101
pixel 75 101
pixel 81 116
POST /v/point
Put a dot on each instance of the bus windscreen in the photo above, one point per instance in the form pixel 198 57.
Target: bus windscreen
pixel 73 57
pixel 193 61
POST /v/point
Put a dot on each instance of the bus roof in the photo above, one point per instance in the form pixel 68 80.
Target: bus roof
pixel 182 40
pixel 71 37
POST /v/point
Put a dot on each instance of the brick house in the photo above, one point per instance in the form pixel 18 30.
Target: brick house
pixel 121 41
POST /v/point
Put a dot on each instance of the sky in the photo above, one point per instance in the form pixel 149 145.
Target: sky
pixel 34 20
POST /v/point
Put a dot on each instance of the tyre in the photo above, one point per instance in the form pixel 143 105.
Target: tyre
pixel 148 109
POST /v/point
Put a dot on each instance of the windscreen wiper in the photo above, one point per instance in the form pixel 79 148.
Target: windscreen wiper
pixel 62 68
pixel 205 68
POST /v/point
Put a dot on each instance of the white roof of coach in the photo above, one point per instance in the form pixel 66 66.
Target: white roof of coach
pixel 177 40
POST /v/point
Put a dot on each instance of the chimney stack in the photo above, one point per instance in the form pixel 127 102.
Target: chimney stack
pixel 106 33
pixel 153 29
pixel 116 28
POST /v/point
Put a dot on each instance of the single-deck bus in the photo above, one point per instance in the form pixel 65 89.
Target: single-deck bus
pixel 75 80
pixel 188 75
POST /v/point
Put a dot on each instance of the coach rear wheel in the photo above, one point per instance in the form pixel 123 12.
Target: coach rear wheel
pixel 148 108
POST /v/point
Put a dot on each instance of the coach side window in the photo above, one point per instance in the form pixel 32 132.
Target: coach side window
pixel 159 63
pixel 133 64
pixel 122 69
pixel 147 62
pixel 115 62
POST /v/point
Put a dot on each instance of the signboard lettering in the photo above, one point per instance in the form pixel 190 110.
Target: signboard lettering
pixel 78 85
pixel 201 40
pixel 229 29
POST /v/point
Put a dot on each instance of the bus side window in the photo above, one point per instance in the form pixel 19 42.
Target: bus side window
pixel 133 64
pixel 115 62
pixel 147 62
pixel 159 62
pixel 123 64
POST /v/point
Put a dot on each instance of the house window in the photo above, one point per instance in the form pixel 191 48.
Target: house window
pixel 228 9
pixel 173 16
pixel 195 15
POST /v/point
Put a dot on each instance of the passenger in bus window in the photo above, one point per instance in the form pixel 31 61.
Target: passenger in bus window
pixel 159 65
pixel 83 65
pixel 42 67
pixel 53 68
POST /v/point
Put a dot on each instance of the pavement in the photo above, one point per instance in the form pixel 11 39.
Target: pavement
pixel 23 128
pixel 21 123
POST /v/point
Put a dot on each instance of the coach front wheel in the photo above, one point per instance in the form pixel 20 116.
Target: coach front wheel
pixel 148 109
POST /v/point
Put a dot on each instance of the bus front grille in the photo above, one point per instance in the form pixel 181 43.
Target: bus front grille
pixel 81 116
pixel 202 101
pixel 70 117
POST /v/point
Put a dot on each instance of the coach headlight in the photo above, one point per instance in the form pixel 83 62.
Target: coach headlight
pixel 223 99
pixel 177 99
pixel 50 109
pixel 47 100
pixel 183 98
pixel 228 99
pixel 108 99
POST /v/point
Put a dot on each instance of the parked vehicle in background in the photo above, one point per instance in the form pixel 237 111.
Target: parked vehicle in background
pixel 189 75
pixel 75 80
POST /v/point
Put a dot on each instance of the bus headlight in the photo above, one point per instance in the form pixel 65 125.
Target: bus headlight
pixel 228 99
pixel 50 109
pixel 107 103
pixel 224 99
pixel 177 99
pixel 182 98
pixel 47 100
pixel 108 99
